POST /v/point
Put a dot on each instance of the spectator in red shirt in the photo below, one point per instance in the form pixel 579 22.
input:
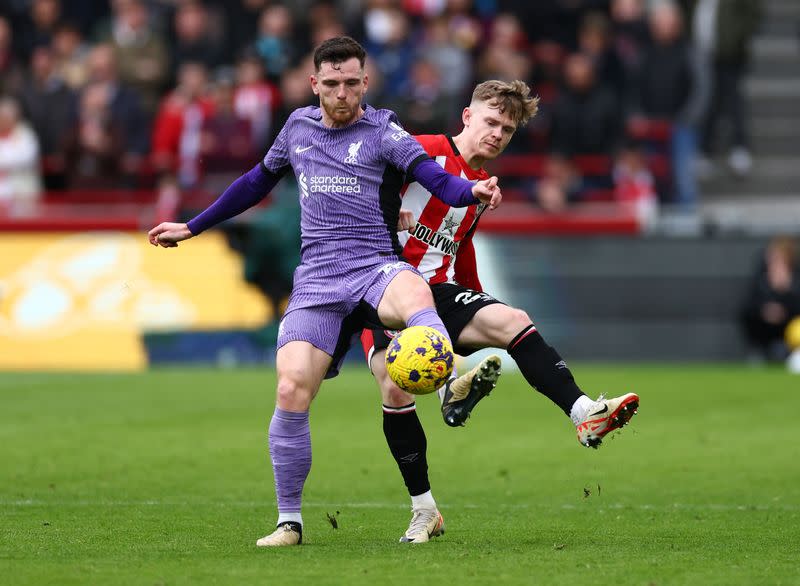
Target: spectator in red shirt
pixel 256 100
pixel 178 125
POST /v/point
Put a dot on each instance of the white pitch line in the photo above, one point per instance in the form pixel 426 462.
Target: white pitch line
pixel 378 505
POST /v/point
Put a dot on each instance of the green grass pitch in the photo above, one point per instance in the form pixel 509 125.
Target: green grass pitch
pixel 163 478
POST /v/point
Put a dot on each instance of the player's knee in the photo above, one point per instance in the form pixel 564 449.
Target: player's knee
pixel 519 319
pixel 394 396
pixel 291 395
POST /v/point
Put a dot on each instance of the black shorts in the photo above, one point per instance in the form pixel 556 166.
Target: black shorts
pixel 456 305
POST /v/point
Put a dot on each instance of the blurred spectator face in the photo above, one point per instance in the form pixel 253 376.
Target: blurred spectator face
pixel 42 63
pixel 781 251
pixel 425 73
pixel 322 13
pixel 627 10
pixel 294 88
pixel 275 21
pixel 559 169
pixel 249 71
pixel 222 94
pixel 507 32
pixel 102 64
pixel 579 73
pixel 94 102
pixel 436 32
pixel 5 34
pixel 9 115
pixel 488 129
pixel 45 13
pixel 327 30
pixel 192 80
pixel 191 22
pixel 66 41
pixel 551 196
pixel 593 36
pixel 666 24
pixel 133 14
pixel 459 6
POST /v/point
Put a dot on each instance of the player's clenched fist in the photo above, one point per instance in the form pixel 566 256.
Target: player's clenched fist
pixel 488 192
pixel 405 220
pixel 168 234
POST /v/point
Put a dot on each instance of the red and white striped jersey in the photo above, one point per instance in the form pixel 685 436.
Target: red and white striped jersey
pixel 441 230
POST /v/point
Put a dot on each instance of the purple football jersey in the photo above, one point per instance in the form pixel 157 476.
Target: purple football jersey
pixel 349 180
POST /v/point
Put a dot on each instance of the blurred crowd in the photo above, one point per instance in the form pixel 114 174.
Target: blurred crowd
pixel 99 94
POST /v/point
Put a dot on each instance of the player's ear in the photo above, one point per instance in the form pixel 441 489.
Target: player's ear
pixel 466 116
pixel 314 88
pixel 366 82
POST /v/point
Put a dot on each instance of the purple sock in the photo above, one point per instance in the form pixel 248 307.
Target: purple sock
pixel 429 317
pixel 290 451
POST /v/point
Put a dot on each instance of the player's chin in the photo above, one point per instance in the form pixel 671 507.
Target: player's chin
pixel 491 151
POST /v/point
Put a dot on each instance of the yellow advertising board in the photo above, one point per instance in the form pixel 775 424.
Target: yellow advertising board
pixel 82 301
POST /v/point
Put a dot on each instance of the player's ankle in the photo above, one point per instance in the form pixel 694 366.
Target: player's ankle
pixel 423 501
pixel 580 408
pixel 289 518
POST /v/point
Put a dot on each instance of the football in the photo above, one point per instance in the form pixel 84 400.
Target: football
pixel 792 334
pixel 419 360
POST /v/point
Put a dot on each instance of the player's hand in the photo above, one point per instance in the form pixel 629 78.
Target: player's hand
pixel 405 221
pixel 168 234
pixel 488 192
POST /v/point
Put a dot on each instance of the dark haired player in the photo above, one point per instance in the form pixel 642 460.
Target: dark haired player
pixel 349 160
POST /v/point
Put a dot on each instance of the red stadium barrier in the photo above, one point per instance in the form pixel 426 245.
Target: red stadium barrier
pixel 598 219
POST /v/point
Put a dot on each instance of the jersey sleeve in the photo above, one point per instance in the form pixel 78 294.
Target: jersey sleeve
pixel 400 148
pixel 466 267
pixel 277 158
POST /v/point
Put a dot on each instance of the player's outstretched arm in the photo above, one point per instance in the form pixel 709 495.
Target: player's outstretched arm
pixel 453 190
pixel 242 194
pixel 168 234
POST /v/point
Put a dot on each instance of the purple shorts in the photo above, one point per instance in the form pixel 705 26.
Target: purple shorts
pixel 329 312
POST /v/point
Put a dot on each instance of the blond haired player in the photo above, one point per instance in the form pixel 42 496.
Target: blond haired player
pixel 439 245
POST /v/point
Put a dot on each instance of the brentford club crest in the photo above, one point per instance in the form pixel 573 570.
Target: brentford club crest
pixel 450 224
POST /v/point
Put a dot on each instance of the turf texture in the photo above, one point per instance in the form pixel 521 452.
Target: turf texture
pixel 163 478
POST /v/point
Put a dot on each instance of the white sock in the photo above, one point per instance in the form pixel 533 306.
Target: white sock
pixel 290 517
pixel 423 501
pixel 580 408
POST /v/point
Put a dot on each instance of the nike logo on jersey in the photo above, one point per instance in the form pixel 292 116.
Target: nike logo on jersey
pixel 297 149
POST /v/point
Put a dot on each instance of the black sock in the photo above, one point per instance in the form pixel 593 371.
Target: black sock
pixel 544 369
pixel 408 445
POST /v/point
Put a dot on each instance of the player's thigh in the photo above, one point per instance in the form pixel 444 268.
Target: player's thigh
pixel 301 368
pixel 494 326
pixel 406 294
pixel 391 394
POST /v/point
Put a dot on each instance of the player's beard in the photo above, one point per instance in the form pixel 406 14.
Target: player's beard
pixel 342 112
